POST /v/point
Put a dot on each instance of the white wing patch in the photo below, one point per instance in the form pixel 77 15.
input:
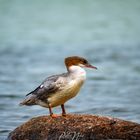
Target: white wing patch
pixel 41 86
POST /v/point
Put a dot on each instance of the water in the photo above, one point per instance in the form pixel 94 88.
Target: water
pixel 35 37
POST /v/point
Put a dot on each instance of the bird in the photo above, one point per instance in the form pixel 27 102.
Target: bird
pixel 57 89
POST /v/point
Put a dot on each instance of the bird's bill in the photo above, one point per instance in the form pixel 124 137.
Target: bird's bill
pixel 90 66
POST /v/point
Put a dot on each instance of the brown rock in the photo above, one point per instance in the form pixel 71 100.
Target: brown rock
pixel 76 127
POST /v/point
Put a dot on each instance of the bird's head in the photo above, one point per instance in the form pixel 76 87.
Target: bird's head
pixel 78 61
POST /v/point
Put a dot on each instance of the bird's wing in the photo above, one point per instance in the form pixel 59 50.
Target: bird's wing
pixel 50 86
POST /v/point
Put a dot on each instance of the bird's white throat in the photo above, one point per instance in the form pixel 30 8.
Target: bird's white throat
pixel 78 72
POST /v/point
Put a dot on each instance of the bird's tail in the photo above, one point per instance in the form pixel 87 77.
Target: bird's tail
pixel 29 100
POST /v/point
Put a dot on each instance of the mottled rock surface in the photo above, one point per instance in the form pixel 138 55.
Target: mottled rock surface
pixel 76 127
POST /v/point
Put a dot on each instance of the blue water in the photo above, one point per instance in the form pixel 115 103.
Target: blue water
pixel 36 36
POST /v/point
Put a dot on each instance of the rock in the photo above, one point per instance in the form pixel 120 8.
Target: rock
pixel 76 127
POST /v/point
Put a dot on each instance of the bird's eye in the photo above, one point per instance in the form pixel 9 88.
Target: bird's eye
pixel 85 62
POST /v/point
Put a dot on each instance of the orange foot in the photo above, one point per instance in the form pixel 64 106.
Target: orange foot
pixel 54 115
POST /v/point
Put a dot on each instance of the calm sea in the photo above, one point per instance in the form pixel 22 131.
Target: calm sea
pixel 36 36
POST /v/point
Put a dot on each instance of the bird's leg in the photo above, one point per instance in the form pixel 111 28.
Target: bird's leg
pixel 50 110
pixel 51 113
pixel 63 110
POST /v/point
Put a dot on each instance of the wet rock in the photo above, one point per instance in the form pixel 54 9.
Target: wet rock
pixel 76 127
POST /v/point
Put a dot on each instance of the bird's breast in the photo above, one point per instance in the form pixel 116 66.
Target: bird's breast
pixel 69 91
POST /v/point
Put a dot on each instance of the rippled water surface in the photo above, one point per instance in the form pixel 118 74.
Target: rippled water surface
pixel 36 36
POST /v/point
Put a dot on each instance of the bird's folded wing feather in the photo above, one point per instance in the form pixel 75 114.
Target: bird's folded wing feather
pixel 50 86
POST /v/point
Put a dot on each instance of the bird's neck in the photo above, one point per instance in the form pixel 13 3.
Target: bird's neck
pixel 77 72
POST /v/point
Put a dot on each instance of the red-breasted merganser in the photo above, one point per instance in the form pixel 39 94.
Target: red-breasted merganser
pixel 58 89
